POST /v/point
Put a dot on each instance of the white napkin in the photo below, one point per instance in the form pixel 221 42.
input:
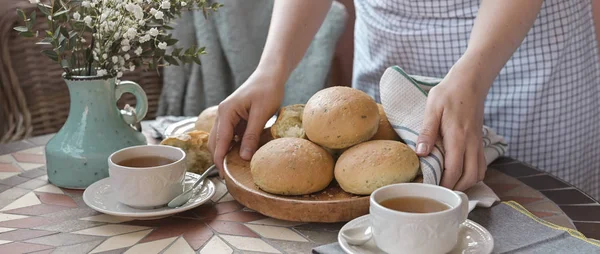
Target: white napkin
pixel 404 98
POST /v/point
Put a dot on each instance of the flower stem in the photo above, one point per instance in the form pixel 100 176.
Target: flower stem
pixel 90 59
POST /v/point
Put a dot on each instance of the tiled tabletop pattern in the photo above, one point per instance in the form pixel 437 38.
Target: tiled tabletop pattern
pixel 37 217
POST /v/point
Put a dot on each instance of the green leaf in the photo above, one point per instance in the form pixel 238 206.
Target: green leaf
pixel 32 18
pixel 201 50
pixel 21 14
pixel 171 42
pixel 72 34
pixel 47 39
pixel 167 27
pixel 27 34
pixel 44 9
pixel 176 52
pixel 51 54
pixel 196 60
pixel 21 29
pixel 171 60
pixel 60 13
pixel 72 43
pixel 43 43
pixel 64 32
pixel 56 33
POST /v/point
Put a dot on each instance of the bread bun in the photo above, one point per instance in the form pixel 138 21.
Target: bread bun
pixel 385 130
pixel 195 145
pixel 289 122
pixel 291 166
pixel 373 164
pixel 206 119
pixel 340 117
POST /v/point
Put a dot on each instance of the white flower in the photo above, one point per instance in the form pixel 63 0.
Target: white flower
pixel 142 23
pixel 119 74
pixel 125 48
pixel 165 5
pixel 49 17
pixel 159 15
pixel 103 17
pixel 88 20
pixel 153 11
pixel 131 32
pixel 129 7
pixel 138 51
pixel 82 40
pixel 127 56
pixel 85 4
pixel 101 72
pixel 34 1
pixel 76 16
pixel 131 67
pixel 104 56
pixel 116 36
pixel 162 45
pixel 121 60
pixel 93 5
pixel 153 31
pixel 144 38
pixel 125 42
pixel 115 59
pixel 183 3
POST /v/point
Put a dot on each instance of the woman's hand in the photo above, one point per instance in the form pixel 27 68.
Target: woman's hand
pixel 245 113
pixel 455 113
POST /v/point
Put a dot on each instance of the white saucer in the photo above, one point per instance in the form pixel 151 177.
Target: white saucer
pixel 473 238
pixel 99 196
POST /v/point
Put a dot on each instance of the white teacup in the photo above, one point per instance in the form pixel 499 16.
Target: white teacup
pixel 403 232
pixel 147 187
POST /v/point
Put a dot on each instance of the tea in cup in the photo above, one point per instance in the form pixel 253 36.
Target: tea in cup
pixel 147 176
pixel 417 218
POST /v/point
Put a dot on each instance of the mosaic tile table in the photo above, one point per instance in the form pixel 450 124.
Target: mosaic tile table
pixel 36 217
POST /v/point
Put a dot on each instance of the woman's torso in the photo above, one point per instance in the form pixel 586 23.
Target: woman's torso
pixel 545 100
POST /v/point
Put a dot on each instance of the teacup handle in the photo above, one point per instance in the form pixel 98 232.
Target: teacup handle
pixel 464 206
pixel 141 108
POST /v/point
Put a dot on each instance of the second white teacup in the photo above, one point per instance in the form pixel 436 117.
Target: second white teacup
pixel 400 232
pixel 147 176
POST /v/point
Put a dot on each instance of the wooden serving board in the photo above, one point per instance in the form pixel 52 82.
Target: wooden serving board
pixel 329 205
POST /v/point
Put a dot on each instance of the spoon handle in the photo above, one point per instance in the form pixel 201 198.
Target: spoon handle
pixel 203 176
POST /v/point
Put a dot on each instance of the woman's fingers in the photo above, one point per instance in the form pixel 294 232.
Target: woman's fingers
pixel 429 133
pixel 228 119
pixel 453 162
pixel 471 165
pixel 482 163
pixel 254 129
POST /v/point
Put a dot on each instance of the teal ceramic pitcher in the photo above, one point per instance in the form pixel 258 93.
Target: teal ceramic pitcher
pixel 77 155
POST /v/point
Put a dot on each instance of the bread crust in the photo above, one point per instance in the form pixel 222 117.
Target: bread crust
pixel 385 130
pixel 195 145
pixel 206 119
pixel 291 166
pixel 373 164
pixel 289 122
pixel 340 117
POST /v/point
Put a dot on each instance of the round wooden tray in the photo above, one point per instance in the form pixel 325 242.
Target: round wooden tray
pixel 329 205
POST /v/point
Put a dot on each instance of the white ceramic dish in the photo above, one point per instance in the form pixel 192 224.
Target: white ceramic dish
pixel 100 196
pixel 472 238
pixel 189 124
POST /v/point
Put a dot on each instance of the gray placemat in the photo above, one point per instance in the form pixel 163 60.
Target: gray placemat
pixel 515 230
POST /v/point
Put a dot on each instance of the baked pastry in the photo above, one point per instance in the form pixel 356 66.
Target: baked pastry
pixel 289 122
pixel 373 164
pixel 206 119
pixel 385 130
pixel 195 145
pixel 291 166
pixel 340 117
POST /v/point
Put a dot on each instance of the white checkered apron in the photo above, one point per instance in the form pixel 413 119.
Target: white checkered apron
pixel 546 100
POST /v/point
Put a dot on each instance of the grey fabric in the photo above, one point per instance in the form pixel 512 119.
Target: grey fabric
pixel 234 38
pixel 513 232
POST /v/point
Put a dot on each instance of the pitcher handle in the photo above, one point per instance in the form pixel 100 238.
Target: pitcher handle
pixel 130 116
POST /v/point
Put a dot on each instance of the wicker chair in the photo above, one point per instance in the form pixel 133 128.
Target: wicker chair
pixel 34 100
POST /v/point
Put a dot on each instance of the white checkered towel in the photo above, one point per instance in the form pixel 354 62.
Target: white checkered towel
pixel 404 98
